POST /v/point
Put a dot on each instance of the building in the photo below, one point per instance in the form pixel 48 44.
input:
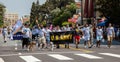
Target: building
pixel 25 18
pixel 10 18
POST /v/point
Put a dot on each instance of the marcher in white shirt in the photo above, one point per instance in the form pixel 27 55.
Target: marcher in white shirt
pixel 86 35
pixel 4 33
pixel 99 36
pixel 110 34
pixel 27 34
pixel 47 36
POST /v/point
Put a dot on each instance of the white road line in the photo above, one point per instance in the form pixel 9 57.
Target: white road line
pixel 110 54
pixel 38 53
pixel 60 57
pixel 30 59
pixel 1 60
pixel 89 56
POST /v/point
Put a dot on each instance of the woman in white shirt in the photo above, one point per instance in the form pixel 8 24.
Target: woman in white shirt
pixel 110 34
pixel 99 36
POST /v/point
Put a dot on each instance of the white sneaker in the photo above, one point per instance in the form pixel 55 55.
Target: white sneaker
pixel 43 49
pixel 28 49
pixel 85 46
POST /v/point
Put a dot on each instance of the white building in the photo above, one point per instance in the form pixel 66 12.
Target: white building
pixel 10 18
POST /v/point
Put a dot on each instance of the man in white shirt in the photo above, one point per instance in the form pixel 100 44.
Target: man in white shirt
pixel 27 34
pixel 4 33
pixel 41 38
pixel 47 35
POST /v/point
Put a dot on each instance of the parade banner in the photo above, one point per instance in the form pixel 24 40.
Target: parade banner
pixel 62 37
pixel 18 36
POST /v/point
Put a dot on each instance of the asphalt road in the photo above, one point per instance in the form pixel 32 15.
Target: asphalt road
pixel 103 54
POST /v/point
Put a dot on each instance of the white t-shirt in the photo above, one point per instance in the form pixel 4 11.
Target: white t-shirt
pixel 110 30
pixel 4 31
pixel 47 32
pixel 86 31
pixel 99 32
pixel 27 32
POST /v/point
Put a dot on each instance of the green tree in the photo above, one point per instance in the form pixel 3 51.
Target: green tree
pixel 110 8
pixel 66 13
pixel 1 14
pixel 55 8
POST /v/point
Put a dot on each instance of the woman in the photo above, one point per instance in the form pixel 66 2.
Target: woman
pixel 99 36
pixel 110 34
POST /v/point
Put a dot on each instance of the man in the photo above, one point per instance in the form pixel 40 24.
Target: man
pixel 27 34
pixel 47 35
pixel 41 38
pixel 4 33
pixel 110 34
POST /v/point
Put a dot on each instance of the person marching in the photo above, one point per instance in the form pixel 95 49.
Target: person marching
pixel 99 36
pixel 47 36
pixel 4 33
pixel 86 36
pixel 27 34
pixel 41 38
pixel 77 35
pixel 110 34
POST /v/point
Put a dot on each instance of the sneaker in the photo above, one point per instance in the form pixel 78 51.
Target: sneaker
pixel 51 49
pixel 42 49
pixel 85 46
pixel 28 49
pixel 90 47
pixel 5 41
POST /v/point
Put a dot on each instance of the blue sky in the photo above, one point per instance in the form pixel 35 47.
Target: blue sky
pixel 22 7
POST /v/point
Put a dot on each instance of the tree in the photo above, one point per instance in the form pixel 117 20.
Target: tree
pixel 110 8
pixel 50 8
pixel 65 13
pixel 1 14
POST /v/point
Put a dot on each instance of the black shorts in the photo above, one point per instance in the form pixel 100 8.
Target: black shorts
pixel 25 41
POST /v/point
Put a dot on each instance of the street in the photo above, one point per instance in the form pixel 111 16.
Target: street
pixel 9 53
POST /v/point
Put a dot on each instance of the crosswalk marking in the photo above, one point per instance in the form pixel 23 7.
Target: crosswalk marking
pixel 110 54
pixel 60 57
pixel 30 59
pixel 89 56
pixel 1 60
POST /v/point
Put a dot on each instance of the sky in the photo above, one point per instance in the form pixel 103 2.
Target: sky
pixel 22 7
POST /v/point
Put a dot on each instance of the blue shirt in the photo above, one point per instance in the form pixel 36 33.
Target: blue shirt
pixel 40 33
pixel 86 31
pixel 35 31
pixel 99 32
pixel 27 32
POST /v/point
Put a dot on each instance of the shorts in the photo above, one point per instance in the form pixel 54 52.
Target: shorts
pixel 48 39
pixel 110 37
pixel 77 37
pixel 25 41
pixel 86 38
pixel 42 40
pixel 99 38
